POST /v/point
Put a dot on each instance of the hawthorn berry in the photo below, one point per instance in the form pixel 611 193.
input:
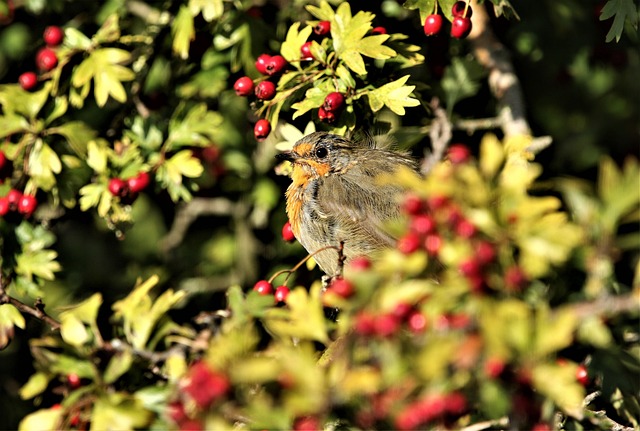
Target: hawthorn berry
pixel 408 243
pixel 263 287
pixel 14 196
pixel 494 367
pixel 465 229
pixel 262 129
pixel 417 322
pixel 74 380
pixel 176 411
pixel 469 267
pixel 412 204
pixel 379 30
pixel 432 244
pixel 458 9
pixel 265 90
pixel 28 80
pixel 46 59
pixel 281 294
pixel 3 160
pixel 485 252
pixel 53 35
pixel 305 49
pixel 322 28
pixel 364 323
pixel 4 206
pixel 341 287
pixel 541 426
pixel 27 205
pixel 385 325
pixel 306 423
pixel 458 154
pixel 514 278
pixel 333 102
pixel 287 233
pixel 422 224
pixel 360 263
pixel 326 116
pixel 118 187
pixel 582 375
pixel 275 65
pixel 433 25
pixel 244 86
pixel 402 310
pixel 261 63
pixel 204 385
pixel 460 27
pixel 139 182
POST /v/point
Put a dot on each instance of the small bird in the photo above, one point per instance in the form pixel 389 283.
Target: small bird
pixel 336 196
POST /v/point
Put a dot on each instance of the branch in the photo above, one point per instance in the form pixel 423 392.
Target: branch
pixel 607 305
pixel 503 82
pixel 440 135
pixel 36 311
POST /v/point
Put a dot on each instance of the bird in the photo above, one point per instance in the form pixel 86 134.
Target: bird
pixel 337 198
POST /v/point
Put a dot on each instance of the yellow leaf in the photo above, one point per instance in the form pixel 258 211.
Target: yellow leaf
pixel 41 420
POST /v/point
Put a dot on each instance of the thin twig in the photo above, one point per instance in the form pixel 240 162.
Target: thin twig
pixel 440 135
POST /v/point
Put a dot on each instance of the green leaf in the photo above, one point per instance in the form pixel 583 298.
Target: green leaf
pixel 290 48
pixel 622 11
pixel 61 103
pixel 73 331
pixel 394 95
pixel 119 411
pixel 44 419
pixel 324 12
pixel 12 123
pixel 41 264
pixel 558 382
pixel 461 80
pixel 43 164
pixel 74 38
pixel 199 127
pixel 313 98
pixel 103 66
pixel 183 163
pixel 36 384
pixel 97 156
pixel 553 332
pixel 15 100
pixel 183 32
pixel 109 31
pixel 119 364
pixel 210 9
pixel 9 317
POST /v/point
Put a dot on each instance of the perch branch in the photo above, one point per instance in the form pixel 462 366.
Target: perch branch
pixel 503 81
pixel 440 135
pixel 36 311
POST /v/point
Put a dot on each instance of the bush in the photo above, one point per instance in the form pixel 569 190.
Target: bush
pixel 141 153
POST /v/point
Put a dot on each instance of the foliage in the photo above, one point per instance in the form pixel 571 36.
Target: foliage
pixel 529 277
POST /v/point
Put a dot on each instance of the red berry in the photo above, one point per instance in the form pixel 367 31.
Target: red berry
pixel 458 9
pixel 432 244
pixel 244 86
pixel 333 102
pixel 322 28
pixel 341 287
pixel 485 252
pixel 139 182
pixel 458 154
pixel 3 160
pixel 27 205
pixel 262 129
pixel 53 35
pixel 494 367
pixel 46 59
pixel 204 385
pixel 176 411
pixel 28 80
pixel 287 232
pixel 433 25
pixel 307 423
pixel 541 427
pixel 460 27
pixel 413 204
pixel 582 375
pixel 364 323
pixel 261 63
pixel 263 287
pixel 281 294
pixel 305 49
pixel 275 65
pixel 265 90
pixel 437 202
pixel 465 229
pixel 423 224
pixel 469 267
pixel 402 310
pixel 409 243
pixel 455 403
pixel 379 30
pixel 360 263
pixel 118 187
pixel 74 380
pixel 515 278
pixel 4 206
pixel 417 322
pixel 386 325
pixel 326 116
pixel 14 196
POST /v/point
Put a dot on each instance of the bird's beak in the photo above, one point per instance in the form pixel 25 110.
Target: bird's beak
pixel 290 156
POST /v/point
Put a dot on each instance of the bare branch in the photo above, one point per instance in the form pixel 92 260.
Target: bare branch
pixel 440 135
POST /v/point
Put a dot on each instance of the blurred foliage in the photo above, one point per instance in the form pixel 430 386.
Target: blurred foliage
pixel 146 87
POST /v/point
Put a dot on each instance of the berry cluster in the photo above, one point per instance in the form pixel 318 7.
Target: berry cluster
pixel 263 90
pixel 460 25
pixel 264 287
pixel 430 408
pixel 46 58
pixel 200 388
pixel 15 202
pixel 128 190
pixel 437 219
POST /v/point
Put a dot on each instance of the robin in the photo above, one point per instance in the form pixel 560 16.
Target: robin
pixel 336 196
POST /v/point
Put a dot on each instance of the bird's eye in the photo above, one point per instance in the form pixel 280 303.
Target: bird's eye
pixel 322 152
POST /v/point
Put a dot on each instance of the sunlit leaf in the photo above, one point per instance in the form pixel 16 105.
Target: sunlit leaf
pixel 394 95
pixel 183 32
pixel 44 419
